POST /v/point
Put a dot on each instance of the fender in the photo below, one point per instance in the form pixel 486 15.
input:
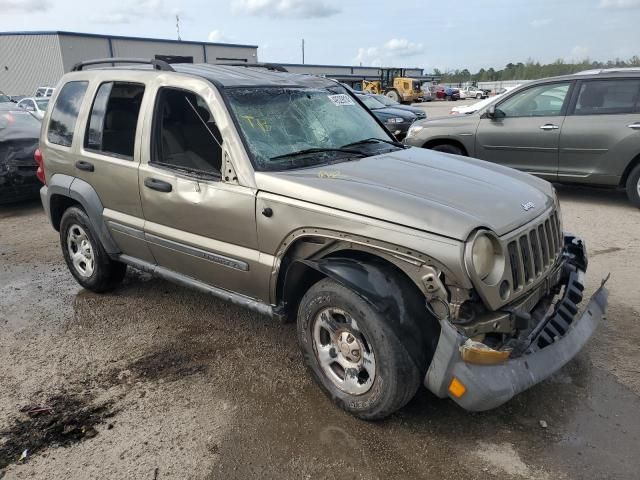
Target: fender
pixel 388 291
pixel 86 196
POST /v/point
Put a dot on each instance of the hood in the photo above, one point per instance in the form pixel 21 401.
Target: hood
pixel 394 112
pixel 415 110
pixel 418 188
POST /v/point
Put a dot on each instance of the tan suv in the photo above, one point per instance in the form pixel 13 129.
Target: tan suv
pixel 284 194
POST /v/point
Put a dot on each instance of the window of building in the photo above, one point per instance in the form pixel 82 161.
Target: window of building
pixel 602 97
pixel 114 117
pixel 65 113
pixel 185 134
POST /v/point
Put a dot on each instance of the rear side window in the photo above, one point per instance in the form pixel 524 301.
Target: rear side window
pixel 603 97
pixel 113 119
pixel 65 113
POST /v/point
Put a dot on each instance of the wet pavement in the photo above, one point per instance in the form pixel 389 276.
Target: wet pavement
pixel 191 387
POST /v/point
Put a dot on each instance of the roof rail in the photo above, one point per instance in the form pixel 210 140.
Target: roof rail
pixel 157 64
pixel 269 66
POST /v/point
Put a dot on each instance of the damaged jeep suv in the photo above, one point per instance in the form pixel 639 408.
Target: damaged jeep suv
pixel 282 193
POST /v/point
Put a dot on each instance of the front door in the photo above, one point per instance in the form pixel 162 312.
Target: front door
pixel 524 133
pixel 601 133
pixel 196 222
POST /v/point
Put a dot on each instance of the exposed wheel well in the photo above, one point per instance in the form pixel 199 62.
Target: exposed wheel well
pixel 627 171
pixel 57 207
pixel 446 141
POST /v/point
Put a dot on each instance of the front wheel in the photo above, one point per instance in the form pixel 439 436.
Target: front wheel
pixel 448 148
pixel 479 96
pixel 393 95
pixel 353 353
pixel 633 186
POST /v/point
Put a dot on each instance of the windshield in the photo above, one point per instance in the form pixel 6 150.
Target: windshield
pixel 385 100
pixel 370 102
pixel 4 98
pixel 278 122
pixel 42 104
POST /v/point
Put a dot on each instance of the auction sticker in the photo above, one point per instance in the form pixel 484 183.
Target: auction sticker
pixel 341 99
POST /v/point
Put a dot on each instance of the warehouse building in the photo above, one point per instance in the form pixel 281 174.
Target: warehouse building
pixel 32 59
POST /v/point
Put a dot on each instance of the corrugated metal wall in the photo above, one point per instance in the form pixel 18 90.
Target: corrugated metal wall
pixel 222 54
pixel 76 49
pixel 28 62
pixel 147 49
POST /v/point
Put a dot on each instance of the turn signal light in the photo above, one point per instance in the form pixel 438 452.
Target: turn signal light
pixel 456 388
pixel 37 156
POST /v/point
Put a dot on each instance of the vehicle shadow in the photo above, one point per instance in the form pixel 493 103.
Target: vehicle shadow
pixel 20 209
pixel 593 195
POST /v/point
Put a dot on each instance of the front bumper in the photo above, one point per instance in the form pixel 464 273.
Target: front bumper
pixel 489 386
pixel 18 182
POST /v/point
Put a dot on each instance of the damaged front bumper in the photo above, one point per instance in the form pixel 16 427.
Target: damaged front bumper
pixel 18 180
pixel 556 339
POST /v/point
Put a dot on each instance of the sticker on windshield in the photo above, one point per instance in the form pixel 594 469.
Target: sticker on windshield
pixel 341 99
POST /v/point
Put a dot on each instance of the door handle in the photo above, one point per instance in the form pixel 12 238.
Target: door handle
pixel 549 126
pixel 635 126
pixel 159 185
pixel 86 166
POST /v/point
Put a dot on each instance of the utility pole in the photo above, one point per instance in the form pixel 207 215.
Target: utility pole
pixel 178 26
pixel 303 51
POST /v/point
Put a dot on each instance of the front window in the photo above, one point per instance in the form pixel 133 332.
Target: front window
pixel 42 104
pixel 293 127
pixel 386 100
pixel 541 101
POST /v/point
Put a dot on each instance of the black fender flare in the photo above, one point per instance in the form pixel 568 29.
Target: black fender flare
pixel 392 294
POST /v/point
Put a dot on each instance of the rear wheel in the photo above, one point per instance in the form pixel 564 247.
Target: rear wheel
pixel 633 186
pixel 84 254
pixel 448 148
pixel 353 353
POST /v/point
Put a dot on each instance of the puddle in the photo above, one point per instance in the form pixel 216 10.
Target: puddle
pixel 59 421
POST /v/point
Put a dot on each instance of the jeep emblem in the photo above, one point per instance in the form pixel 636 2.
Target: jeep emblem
pixel 528 206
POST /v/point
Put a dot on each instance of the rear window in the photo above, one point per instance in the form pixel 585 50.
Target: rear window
pixel 603 97
pixel 65 113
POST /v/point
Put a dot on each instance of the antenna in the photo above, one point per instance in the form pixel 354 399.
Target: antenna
pixel 178 26
pixel 303 51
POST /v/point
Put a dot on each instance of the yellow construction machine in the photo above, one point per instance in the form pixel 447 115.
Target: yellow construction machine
pixel 394 85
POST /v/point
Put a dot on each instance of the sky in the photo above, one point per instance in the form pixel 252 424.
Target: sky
pixel 428 34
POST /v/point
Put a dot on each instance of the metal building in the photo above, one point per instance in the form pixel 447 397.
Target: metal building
pixel 32 59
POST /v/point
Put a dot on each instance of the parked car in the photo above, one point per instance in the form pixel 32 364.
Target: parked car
pixel 44 92
pixel 19 133
pixel 446 93
pixel 467 109
pixel 37 106
pixel 472 92
pixel 387 102
pixel 396 120
pixel 427 94
pixel 387 257
pixel 4 98
pixel 582 128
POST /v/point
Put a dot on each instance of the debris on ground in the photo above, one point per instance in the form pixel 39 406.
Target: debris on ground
pixel 543 424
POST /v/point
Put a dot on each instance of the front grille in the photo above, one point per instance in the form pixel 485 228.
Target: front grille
pixel 533 252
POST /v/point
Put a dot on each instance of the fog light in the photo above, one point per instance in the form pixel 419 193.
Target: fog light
pixel 480 354
pixel 456 388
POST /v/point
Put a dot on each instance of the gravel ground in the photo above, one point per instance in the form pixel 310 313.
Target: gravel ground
pixel 155 381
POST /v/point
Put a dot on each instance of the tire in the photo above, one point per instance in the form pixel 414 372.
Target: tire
pixel 633 186
pixel 393 95
pixel 387 377
pixel 448 148
pixel 92 268
pixel 479 96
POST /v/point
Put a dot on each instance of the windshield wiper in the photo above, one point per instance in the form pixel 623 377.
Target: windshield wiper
pixel 319 150
pixel 374 140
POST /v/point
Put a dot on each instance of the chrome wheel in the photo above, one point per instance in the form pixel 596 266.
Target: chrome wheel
pixel 343 352
pixel 80 250
pixel 638 186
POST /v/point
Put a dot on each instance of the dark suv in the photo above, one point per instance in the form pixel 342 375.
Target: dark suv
pixel 581 128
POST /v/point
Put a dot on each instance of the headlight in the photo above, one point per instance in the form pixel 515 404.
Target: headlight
pixel 487 258
pixel 414 130
pixel 395 120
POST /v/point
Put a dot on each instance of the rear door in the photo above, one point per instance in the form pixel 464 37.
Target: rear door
pixel 601 133
pixel 525 134
pixel 199 222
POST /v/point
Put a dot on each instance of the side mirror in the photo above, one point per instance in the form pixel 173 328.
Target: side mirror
pixel 495 113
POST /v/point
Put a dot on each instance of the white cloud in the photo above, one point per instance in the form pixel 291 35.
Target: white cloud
pixel 24 6
pixel 150 9
pixel 388 53
pixel 540 22
pixel 579 53
pixel 216 36
pixel 402 47
pixel 285 8
pixel 619 3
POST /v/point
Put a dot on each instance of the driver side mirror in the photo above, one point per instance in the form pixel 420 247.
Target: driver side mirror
pixel 495 113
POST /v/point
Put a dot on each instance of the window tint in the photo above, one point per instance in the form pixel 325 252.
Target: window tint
pixel 608 96
pixel 541 101
pixel 185 134
pixel 65 113
pixel 114 117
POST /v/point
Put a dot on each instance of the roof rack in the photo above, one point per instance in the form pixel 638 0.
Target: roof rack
pixel 269 66
pixel 598 71
pixel 157 64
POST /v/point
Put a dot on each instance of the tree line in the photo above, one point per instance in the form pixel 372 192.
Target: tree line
pixel 531 70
